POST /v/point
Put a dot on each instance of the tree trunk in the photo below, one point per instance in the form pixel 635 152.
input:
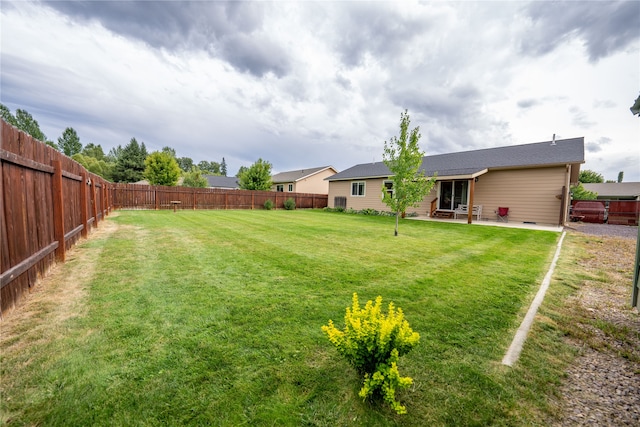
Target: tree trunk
pixel 397 216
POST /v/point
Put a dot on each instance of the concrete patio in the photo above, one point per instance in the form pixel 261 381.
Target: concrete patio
pixel 511 224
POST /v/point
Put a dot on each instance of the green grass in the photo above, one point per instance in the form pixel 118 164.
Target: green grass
pixel 213 318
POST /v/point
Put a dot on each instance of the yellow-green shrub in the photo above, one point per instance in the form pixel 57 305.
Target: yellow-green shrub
pixel 372 342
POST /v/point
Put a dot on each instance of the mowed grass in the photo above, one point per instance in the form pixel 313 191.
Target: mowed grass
pixel 213 318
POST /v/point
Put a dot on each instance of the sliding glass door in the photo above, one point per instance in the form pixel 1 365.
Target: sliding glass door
pixel 452 194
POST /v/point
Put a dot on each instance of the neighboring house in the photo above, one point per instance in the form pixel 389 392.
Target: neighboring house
pixel 532 180
pixel 615 190
pixel 311 180
pixel 227 182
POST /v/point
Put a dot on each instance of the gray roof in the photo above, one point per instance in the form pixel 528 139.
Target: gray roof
pixel 615 189
pixel 468 163
pixel 216 181
pixel 293 176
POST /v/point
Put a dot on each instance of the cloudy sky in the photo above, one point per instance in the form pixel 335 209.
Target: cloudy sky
pixel 306 84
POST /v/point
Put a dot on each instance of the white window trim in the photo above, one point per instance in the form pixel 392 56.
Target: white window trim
pixel 290 188
pixel 364 188
pixel 279 188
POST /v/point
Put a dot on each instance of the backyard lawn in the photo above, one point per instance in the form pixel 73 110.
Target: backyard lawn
pixel 214 318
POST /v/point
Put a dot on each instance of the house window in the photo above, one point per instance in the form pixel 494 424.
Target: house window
pixel 290 188
pixel 388 188
pixel 357 189
pixel 279 188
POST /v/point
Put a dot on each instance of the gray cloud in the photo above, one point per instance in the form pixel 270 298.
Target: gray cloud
pixel 230 30
pixel 528 103
pixel 598 145
pixel 604 27
pixel 376 29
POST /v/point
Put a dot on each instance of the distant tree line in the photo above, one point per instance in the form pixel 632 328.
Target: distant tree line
pixel 131 163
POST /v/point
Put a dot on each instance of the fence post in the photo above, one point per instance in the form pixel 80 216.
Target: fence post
pixel 194 199
pixel 102 200
pixel 84 214
pixel 94 203
pixel 155 196
pixel 58 210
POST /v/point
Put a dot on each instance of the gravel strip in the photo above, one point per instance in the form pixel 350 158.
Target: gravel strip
pixel 602 387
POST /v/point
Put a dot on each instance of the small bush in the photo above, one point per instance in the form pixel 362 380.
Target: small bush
pixel 268 205
pixel 290 204
pixel 372 342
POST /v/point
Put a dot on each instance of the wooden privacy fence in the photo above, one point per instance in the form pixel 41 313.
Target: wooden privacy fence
pixel 132 196
pixel 47 201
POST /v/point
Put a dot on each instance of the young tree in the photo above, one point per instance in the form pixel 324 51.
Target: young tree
pixel 69 142
pixel 194 178
pixel 590 177
pixel 161 168
pixel 403 157
pixel 223 167
pixel 256 177
pixel 130 164
pixel 241 170
pixel 620 176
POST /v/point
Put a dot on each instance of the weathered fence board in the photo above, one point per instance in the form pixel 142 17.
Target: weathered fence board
pixel 132 196
pixel 39 215
pixel 48 201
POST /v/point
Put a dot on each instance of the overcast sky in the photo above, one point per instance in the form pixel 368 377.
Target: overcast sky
pixel 307 84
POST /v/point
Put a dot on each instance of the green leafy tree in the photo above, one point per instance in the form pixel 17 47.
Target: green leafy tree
pixel 620 176
pixel 69 142
pixel 635 108
pixel 170 151
pixel 241 170
pixel 161 168
pixel 99 167
pixel 403 157
pixel 95 151
pixel 26 123
pixel 578 192
pixel 6 115
pixel 195 178
pixel 130 163
pixel 590 177
pixel 185 163
pixel 212 168
pixel 256 177
pixel 223 167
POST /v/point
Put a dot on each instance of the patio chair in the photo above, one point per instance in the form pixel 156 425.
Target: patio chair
pixel 502 214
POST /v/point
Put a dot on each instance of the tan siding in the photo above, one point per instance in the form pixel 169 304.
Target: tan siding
pixel 315 184
pixel 372 198
pixel 530 194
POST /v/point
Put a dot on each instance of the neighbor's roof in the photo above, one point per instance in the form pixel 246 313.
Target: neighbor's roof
pixel 473 163
pixel 293 176
pixel 217 181
pixel 615 189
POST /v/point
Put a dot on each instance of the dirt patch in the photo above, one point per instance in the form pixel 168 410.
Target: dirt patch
pixel 57 297
pixel 602 386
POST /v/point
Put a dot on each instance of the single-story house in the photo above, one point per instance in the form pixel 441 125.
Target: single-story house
pixel 311 180
pixel 227 182
pixel 615 190
pixel 532 180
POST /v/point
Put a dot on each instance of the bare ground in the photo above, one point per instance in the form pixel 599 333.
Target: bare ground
pixel 602 387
